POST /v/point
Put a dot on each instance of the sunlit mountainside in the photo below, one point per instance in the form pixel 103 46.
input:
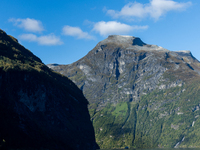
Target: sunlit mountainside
pixel 140 95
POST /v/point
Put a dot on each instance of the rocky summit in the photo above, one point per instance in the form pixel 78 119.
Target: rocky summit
pixel 40 109
pixel 141 95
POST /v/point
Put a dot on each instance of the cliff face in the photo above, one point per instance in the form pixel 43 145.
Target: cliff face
pixel 140 95
pixel 39 108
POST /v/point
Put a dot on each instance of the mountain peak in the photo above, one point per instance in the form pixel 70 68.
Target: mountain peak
pixel 130 42
pixel 124 39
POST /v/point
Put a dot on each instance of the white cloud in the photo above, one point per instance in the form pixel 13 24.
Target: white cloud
pixel 28 24
pixel 28 37
pixel 50 39
pixel 76 32
pixel 113 27
pixel 155 9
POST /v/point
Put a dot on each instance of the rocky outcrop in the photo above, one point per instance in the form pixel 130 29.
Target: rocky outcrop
pixel 137 91
pixel 40 109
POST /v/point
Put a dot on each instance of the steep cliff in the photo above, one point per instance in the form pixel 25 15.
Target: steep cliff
pixel 40 109
pixel 140 95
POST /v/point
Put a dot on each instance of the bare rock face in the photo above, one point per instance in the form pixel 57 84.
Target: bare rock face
pixel 40 109
pixel 125 63
pixel 137 91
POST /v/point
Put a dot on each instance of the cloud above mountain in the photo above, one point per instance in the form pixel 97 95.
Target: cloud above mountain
pixel 35 26
pixel 48 40
pixel 113 27
pixel 154 9
pixel 76 32
pixel 28 24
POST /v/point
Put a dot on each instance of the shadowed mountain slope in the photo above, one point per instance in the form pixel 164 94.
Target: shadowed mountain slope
pixel 40 109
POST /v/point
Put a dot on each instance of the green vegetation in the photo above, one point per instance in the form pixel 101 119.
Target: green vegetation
pixel 16 57
pixel 120 109
pixel 162 118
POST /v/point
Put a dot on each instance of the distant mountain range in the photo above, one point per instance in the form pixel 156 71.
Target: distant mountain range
pixel 39 109
pixel 140 95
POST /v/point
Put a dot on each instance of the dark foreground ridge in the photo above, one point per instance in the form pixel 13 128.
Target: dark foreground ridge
pixel 141 95
pixel 39 109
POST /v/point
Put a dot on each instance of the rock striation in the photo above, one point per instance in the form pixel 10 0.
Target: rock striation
pixel 139 94
pixel 40 109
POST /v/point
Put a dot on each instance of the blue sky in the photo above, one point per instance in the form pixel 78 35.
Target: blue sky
pixel 64 31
